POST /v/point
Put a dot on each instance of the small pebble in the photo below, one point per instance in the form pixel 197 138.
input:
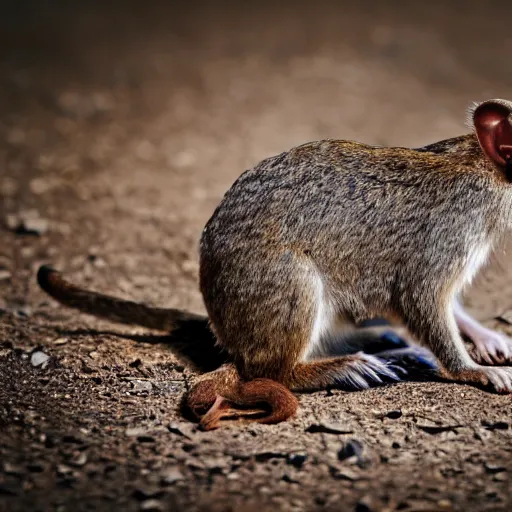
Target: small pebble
pixel 80 460
pixel 36 226
pixel 12 469
pixel 494 468
pixel 326 427
pixel 151 506
pixel 181 429
pixel 346 474
pixel 40 359
pixel 139 386
pixel 170 475
pixel 136 432
pixel 297 459
pixel 4 275
pixel 63 470
pixel 27 222
pixel 352 448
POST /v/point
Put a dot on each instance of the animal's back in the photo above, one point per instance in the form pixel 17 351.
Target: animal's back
pixel 346 196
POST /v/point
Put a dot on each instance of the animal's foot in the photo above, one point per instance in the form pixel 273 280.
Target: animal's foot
pixel 491 347
pixel 391 340
pixel 500 379
pixel 368 370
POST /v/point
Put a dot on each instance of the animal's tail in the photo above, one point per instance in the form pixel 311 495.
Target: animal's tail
pixel 111 308
pixel 221 396
pixel 191 336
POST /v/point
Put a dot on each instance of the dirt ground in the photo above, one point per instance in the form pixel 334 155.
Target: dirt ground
pixel 121 126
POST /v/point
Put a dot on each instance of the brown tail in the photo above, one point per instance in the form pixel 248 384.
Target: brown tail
pixel 221 395
pixel 191 336
pixel 111 308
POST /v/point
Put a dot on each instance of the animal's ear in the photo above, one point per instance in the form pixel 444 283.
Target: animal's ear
pixel 494 131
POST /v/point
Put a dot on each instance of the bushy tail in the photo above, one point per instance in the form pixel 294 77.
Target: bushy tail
pixel 189 334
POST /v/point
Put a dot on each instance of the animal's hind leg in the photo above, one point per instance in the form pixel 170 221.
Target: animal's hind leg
pixel 393 344
pixel 265 333
pixel 270 344
pixel 222 395
pixel 357 371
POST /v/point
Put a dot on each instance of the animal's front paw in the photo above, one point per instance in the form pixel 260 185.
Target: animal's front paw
pixel 492 347
pixel 500 379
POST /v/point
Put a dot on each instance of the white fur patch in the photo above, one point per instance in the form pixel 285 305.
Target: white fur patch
pixel 369 369
pixel 476 259
pixel 325 320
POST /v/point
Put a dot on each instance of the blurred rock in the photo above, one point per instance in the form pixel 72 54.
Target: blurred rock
pixel 136 431
pixel 27 222
pixel 139 386
pixel 4 275
pixel 151 506
pixel 60 341
pixel 170 475
pixel 39 359
pixel 328 427
pixel 12 469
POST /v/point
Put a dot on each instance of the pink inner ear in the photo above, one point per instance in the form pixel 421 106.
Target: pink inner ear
pixel 494 132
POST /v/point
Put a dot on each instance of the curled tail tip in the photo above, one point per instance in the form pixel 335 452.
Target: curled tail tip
pixel 261 400
pixel 44 275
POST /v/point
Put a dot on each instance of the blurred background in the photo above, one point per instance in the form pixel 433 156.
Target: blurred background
pixel 121 114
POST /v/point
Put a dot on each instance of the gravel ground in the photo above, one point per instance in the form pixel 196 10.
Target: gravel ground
pixel 121 126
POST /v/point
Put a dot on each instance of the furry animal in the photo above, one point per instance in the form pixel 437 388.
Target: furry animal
pixel 313 241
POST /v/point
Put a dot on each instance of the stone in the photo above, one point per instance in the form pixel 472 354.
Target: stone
pixel 39 358
pixel 326 427
pixel 171 475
